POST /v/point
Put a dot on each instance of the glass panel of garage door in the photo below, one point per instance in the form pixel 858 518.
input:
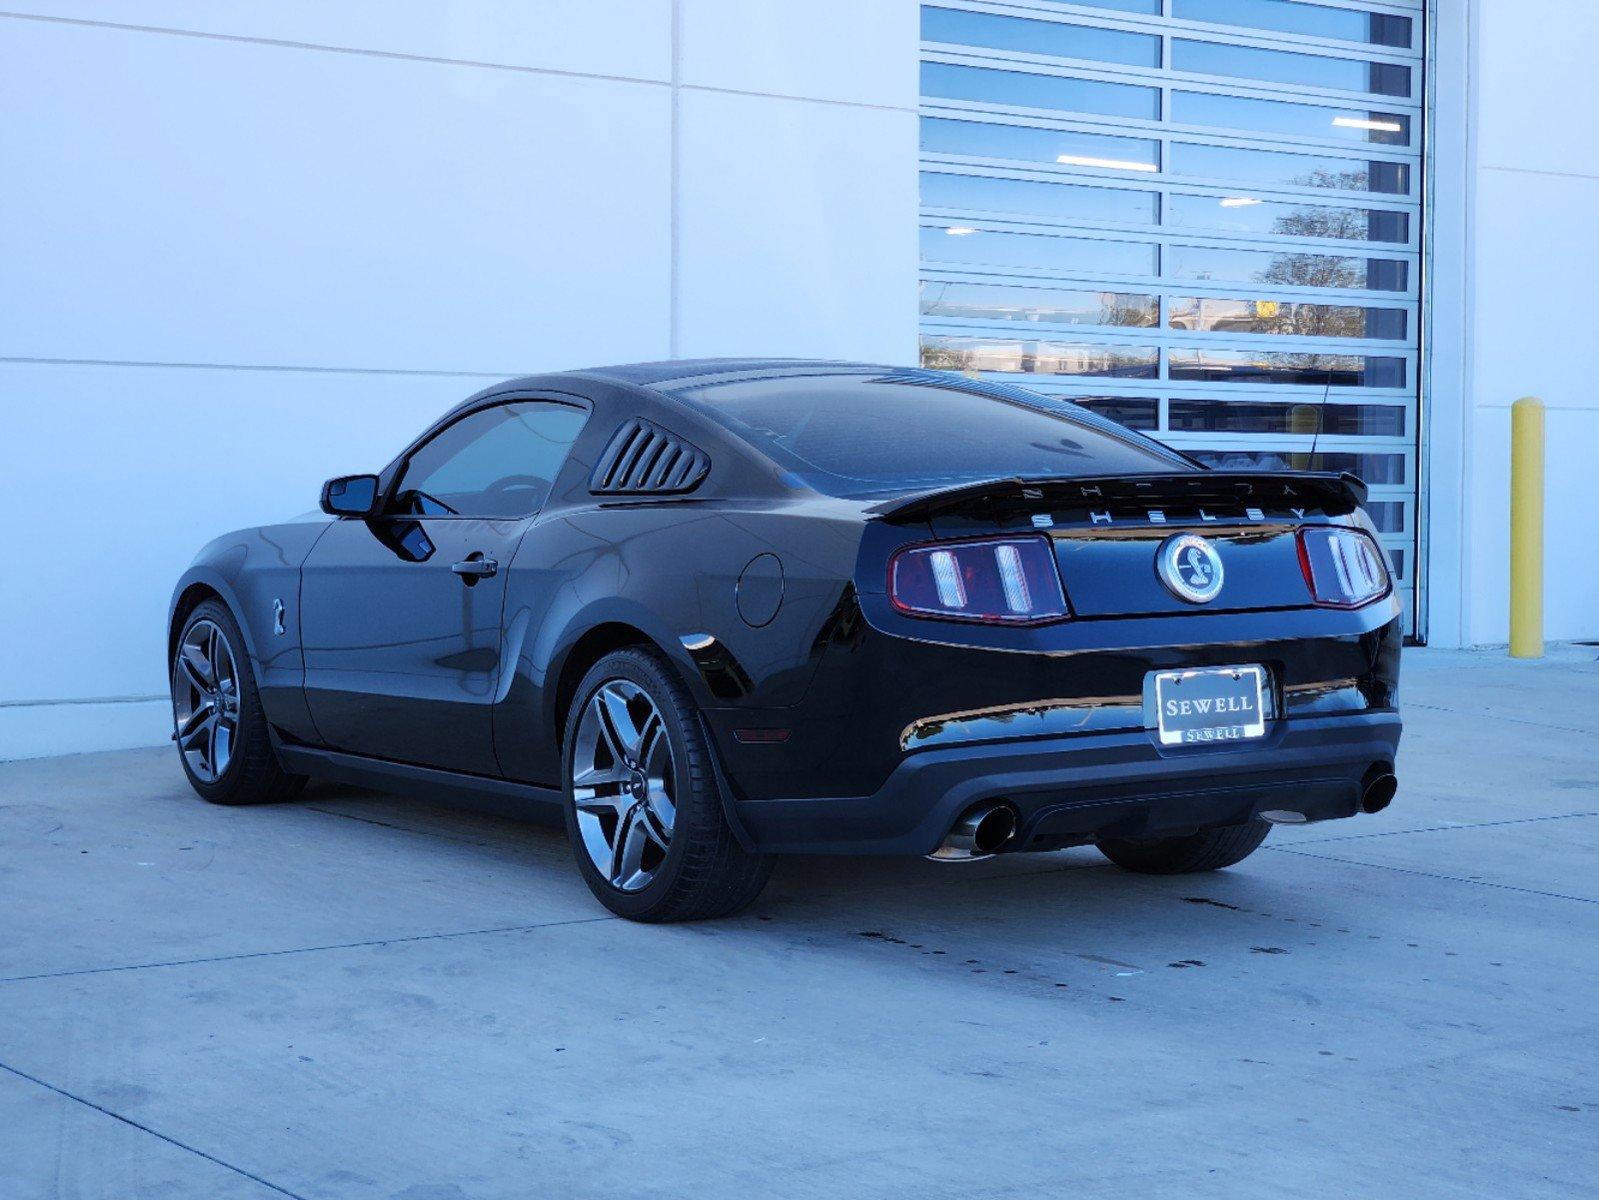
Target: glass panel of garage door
pixel 1198 217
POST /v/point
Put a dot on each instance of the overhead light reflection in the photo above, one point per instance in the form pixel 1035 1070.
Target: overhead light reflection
pixel 1238 201
pixel 1358 123
pixel 959 230
pixel 1111 164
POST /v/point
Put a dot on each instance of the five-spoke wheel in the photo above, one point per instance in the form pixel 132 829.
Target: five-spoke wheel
pixel 221 732
pixel 623 784
pixel 205 699
pixel 647 820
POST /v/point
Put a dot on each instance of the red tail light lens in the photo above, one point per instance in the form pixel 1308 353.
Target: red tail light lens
pixel 1008 580
pixel 1343 568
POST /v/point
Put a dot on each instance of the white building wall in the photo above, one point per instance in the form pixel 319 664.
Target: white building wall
pixel 1518 198
pixel 248 246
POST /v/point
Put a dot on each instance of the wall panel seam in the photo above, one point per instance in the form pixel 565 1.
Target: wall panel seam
pixel 82 700
pixel 359 51
pixel 672 82
pixel 1539 171
pixel 674 274
pixel 30 361
pixel 832 100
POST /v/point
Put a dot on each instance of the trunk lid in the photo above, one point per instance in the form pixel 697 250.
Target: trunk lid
pixel 1108 534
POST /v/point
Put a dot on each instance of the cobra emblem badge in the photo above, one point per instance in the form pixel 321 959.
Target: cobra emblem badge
pixel 1190 568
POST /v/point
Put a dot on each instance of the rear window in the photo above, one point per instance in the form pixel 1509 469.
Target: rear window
pixel 865 435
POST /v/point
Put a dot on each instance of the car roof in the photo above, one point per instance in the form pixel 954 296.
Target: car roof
pixel 677 380
pixel 680 371
pixel 676 376
pixel 680 383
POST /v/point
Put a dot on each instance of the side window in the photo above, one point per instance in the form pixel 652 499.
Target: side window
pixel 499 462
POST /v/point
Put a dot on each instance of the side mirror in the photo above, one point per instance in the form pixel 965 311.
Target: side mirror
pixel 350 496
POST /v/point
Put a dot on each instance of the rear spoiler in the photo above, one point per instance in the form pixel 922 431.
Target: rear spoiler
pixel 1324 488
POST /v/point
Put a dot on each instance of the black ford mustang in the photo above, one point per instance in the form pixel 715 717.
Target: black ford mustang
pixel 717 611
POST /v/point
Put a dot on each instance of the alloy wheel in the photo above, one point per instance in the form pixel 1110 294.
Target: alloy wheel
pixel 205 700
pixel 624 785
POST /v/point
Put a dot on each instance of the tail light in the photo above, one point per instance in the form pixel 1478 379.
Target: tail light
pixel 1343 568
pixel 1006 580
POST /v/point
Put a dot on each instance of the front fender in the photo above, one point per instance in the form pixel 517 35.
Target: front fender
pixel 197 579
pixel 254 571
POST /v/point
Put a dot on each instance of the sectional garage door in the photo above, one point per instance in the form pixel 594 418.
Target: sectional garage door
pixel 1200 217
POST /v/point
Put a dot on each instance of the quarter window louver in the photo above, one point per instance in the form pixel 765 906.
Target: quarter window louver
pixel 643 459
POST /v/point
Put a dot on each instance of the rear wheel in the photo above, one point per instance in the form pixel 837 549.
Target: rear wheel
pixel 220 729
pixel 642 809
pixel 1207 850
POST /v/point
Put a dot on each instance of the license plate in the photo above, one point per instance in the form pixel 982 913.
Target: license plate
pixel 1210 704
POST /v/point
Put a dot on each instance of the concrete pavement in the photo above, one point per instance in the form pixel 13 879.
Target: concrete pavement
pixel 359 996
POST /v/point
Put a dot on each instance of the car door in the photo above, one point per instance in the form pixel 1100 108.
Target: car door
pixel 400 613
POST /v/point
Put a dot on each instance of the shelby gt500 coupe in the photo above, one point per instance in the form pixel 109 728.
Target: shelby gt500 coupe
pixel 718 611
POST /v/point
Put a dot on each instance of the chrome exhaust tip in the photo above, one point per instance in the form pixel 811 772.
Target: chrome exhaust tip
pixel 1378 787
pixel 981 833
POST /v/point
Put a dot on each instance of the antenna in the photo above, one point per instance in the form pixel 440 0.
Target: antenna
pixel 1321 416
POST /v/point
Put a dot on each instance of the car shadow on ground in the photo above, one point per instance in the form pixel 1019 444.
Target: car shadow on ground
pixel 1058 918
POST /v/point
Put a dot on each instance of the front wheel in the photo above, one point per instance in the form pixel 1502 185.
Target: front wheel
pixel 1207 850
pixel 642 808
pixel 218 723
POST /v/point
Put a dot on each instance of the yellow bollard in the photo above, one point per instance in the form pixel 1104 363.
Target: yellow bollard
pixel 1526 528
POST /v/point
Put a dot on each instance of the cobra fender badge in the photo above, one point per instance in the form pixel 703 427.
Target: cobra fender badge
pixel 277 618
pixel 1190 568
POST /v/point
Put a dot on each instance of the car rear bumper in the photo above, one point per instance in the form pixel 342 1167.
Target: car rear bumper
pixel 1083 788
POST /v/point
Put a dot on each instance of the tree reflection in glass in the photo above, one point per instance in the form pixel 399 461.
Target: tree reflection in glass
pixel 1034 357
pixel 1056 306
pixel 1286 318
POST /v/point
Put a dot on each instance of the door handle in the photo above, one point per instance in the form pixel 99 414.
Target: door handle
pixel 474 567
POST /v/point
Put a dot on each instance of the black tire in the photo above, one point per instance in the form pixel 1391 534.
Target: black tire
pixel 705 872
pixel 253 774
pixel 1207 850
